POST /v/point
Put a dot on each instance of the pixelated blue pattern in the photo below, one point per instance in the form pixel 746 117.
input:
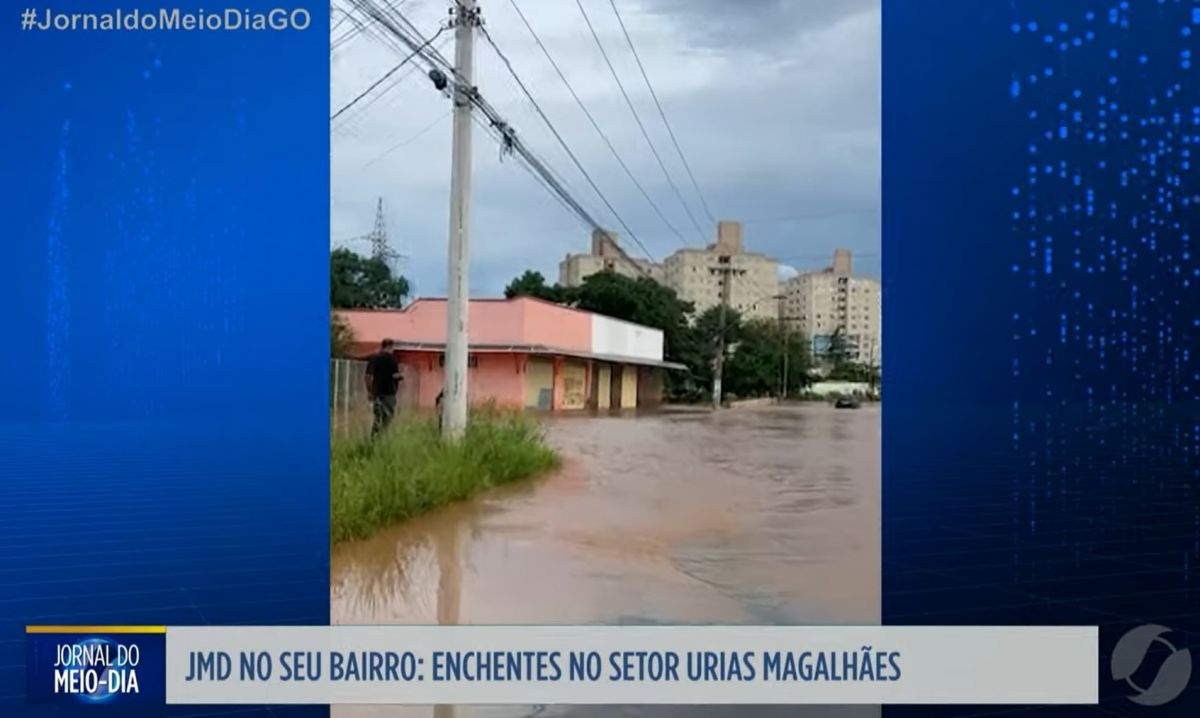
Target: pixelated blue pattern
pixel 1042 429
pixel 163 379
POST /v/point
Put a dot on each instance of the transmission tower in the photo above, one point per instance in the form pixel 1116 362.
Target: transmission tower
pixel 379 241
pixel 378 235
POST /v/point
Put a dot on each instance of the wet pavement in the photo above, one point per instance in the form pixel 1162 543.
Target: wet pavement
pixel 760 515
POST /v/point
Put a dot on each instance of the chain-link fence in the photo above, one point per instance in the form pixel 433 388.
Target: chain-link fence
pixel 349 405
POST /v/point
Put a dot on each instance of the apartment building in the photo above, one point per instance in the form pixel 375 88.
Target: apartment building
pixel 818 304
pixel 695 275
pixel 606 254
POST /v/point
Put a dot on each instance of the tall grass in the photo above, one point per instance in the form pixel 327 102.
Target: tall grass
pixel 408 469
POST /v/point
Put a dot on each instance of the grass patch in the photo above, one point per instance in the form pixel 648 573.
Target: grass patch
pixel 408 470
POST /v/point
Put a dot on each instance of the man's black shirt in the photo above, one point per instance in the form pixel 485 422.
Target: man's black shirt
pixel 382 368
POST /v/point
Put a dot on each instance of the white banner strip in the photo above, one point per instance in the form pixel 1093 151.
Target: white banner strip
pixel 633 664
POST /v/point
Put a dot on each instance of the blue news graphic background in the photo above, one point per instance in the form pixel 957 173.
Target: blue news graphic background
pixel 163 437
pixel 163 420
pixel 1042 429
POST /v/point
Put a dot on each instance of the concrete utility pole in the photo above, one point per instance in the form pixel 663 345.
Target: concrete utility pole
pixel 454 402
pixel 787 349
pixel 725 269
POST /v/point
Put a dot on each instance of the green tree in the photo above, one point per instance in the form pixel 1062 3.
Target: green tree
pixel 705 332
pixel 842 367
pixel 357 282
pixel 798 370
pixel 533 284
pixel 642 301
pixel 838 351
pixel 853 371
pixel 766 354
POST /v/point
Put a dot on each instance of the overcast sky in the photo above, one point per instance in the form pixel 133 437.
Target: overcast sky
pixel 774 102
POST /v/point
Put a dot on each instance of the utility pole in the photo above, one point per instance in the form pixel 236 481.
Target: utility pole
pixel 454 402
pixel 726 270
pixel 787 349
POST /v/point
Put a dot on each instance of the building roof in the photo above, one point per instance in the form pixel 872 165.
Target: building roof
pixel 527 322
pixel 539 349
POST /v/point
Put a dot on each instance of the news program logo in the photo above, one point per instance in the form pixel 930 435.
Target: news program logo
pixel 96 669
pixel 96 665
pixel 1173 675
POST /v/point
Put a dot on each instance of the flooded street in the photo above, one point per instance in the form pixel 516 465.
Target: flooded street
pixel 759 515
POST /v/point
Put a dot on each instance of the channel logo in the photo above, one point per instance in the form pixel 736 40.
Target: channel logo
pixel 96 665
pixel 96 669
pixel 1173 675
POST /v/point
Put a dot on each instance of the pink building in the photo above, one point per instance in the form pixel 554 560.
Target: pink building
pixel 523 352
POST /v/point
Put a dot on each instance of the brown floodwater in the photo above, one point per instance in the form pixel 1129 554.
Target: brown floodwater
pixel 765 515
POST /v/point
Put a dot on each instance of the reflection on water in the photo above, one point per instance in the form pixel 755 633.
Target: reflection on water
pixel 757 516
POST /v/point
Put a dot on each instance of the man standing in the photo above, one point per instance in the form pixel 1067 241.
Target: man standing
pixel 383 380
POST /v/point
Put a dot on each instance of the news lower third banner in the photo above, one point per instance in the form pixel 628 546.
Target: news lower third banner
pixel 564 664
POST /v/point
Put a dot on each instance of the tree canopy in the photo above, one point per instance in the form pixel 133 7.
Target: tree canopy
pixel 533 284
pixel 357 282
pixel 766 356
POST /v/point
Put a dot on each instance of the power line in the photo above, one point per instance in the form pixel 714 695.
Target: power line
pixel 595 125
pixel 366 28
pixel 348 35
pixel 372 12
pixel 399 28
pixel 344 38
pixel 495 134
pixel 338 24
pixel 638 119
pixel 563 143
pixel 412 69
pixel 389 18
pixel 386 75
pixel 661 113
pixel 410 139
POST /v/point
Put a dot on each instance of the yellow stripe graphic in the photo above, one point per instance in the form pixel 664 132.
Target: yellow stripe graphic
pixel 95 629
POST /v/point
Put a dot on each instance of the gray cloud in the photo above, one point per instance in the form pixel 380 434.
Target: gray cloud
pixel 756 25
pixel 782 135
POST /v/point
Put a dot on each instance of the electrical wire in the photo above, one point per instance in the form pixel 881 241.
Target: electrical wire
pixel 391 20
pixel 662 113
pixel 495 134
pixel 386 75
pixel 402 32
pixel 348 35
pixel 338 24
pixel 638 119
pixel 412 70
pixel 595 125
pixel 563 143
pixel 412 138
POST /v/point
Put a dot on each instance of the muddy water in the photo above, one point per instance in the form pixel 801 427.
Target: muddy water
pixel 765 515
